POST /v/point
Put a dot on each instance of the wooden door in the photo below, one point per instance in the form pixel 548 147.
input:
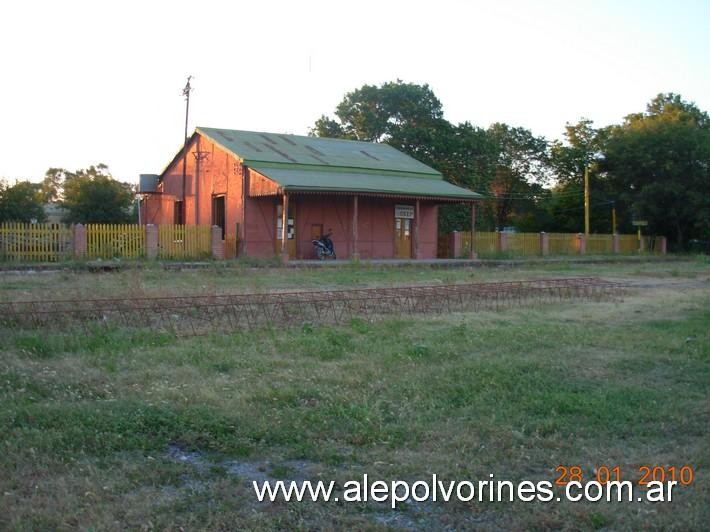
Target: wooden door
pixel 403 238
pixel 290 230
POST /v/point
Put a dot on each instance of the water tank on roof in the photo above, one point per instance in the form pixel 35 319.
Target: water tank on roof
pixel 148 183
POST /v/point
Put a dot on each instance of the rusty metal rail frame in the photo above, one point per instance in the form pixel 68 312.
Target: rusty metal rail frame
pixel 203 314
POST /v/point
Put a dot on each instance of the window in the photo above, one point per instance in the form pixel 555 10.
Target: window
pixel 178 213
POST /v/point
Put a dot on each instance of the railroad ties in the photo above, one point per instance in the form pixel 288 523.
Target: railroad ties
pixel 198 315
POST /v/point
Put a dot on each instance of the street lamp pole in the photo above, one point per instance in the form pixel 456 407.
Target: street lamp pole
pixel 186 94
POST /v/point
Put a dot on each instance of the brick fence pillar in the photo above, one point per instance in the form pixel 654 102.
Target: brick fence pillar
pixel 217 242
pixel 642 244
pixel 581 244
pixel 151 241
pixel 502 241
pixel 79 240
pixel 662 245
pixel 615 244
pixel 544 243
pixel 454 244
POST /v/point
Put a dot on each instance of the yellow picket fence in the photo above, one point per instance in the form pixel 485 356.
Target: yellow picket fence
pixel 23 242
pixel 486 242
pixel 525 244
pixel 530 244
pixel 563 244
pixel 599 244
pixel 628 243
pixel 108 241
pixel 184 241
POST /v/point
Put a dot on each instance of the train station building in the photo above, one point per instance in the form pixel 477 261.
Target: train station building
pixel 272 194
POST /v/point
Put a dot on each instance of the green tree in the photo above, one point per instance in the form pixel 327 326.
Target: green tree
pixel 583 147
pixel 467 157
pixel 659 162
pixel 521 168
pixel 51 186
pixel 21 202
pixel 406 116
pixel 409 117
pixel 92 195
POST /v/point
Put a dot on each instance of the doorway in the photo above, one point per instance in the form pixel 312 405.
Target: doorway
pixel 403 238
pixel 218 213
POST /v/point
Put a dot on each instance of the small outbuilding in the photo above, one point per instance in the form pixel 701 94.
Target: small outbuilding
pixel 274 193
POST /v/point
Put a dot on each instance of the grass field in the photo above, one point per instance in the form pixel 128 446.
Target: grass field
pixel 120 429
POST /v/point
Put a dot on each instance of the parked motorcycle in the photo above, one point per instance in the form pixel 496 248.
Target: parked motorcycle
pixel 322 251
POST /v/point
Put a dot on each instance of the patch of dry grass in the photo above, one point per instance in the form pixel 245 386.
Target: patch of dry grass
pixel 88 423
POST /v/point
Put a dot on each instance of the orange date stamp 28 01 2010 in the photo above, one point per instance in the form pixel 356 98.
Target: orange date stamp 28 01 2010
pixel 684 475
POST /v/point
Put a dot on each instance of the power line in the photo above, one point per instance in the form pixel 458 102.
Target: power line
pixel 578 207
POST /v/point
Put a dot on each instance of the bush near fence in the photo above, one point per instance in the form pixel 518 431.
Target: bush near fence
pixel 20 242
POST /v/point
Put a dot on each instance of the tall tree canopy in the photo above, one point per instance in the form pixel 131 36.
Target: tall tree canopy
pixel 583 148
pixel 21 202
pixel 51 186
pixel 659 162
pixel 654 165
pixel 94 196
pixel 410 118
pixel 521 168
pixel 406 116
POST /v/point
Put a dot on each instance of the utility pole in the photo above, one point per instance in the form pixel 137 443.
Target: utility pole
pixel 186 93
pixel 586 200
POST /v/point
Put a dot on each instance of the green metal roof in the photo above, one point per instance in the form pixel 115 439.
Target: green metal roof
pixel 318 164
pixel 302 180
pixel 254 147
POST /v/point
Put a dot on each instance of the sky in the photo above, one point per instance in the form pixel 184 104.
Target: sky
pixel 87 82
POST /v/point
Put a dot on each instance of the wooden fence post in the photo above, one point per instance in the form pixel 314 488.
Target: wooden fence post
pixel 502 241
pixel 662 245
pixel 79 238
pixel 454 244
pixel 151 241
pixel 615 244
pixel 544 243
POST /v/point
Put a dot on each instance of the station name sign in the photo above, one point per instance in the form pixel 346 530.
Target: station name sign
pixel 404 211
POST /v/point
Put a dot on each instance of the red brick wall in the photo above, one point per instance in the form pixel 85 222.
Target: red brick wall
pixel 375 225
pixel 216 173
pixel 428 230
pixel 261 227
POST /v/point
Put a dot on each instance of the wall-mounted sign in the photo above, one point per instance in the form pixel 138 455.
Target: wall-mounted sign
pixel 640 223
pixel 404 211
